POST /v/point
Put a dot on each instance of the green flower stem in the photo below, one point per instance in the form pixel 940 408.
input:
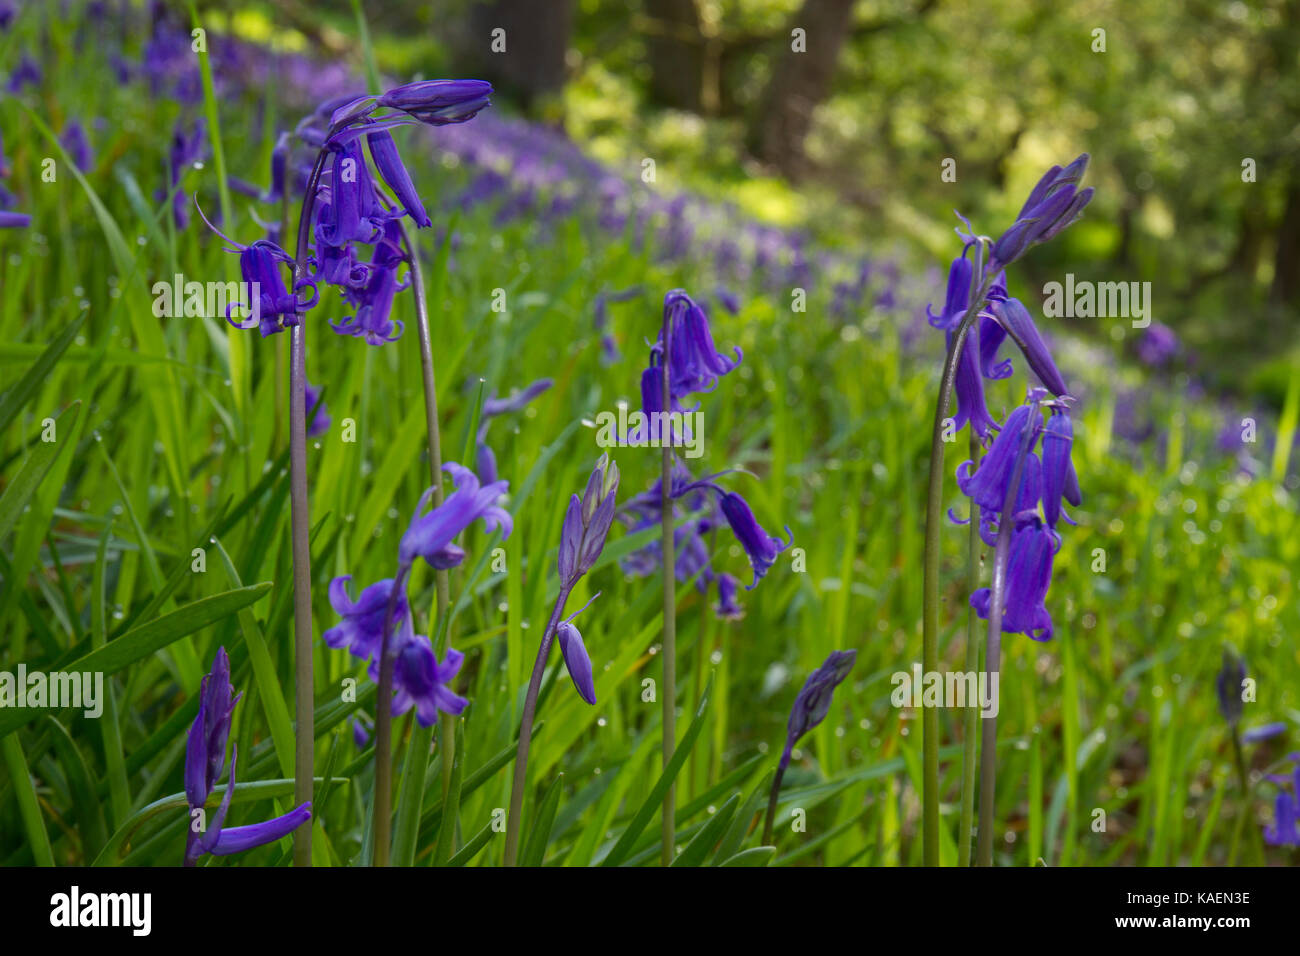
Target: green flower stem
pixel 300 530
pixel 930 583
pixel 969 723
pixel 993 655
pixel 526 730
pixel 668 829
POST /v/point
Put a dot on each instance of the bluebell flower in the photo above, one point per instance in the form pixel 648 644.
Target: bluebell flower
pixel 421 682
pixel 349 210
pixel 1029 574
pixel 205 758
pixel 371 290
pixel 761 547
pixel 1264 732
pixel 260 265
pixel 586 523
pixel 1060 482
pixel 74 141
pixel 694 363
pixel 727 607
pixel 576 660
pixel 389 163
pixel 1285 830
pixel 956 297
pixel 988 486
pixel 14 220
pixel 1017 323
pixel 321 421
pixel 27 72
pixel 430 536
pixel 1227 686
pixel 361 630
pixel 813 702
pixel 439 102
pixel 1053 204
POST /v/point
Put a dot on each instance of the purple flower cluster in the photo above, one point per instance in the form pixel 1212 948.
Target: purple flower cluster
pixel 693 365
pixel 1018 488
pixel 380 618
pixel 205 759
pixel 9 220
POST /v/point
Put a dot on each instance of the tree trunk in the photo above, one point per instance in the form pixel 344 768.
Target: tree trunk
pixel 533 66
pixel 1286 261
pixel 675 46
pixel 800 82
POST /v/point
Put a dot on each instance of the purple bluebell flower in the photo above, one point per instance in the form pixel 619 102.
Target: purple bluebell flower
pixel 260 264
pixel 727 607
pixel 813 702
pixel 1264 732
pixel 957 296
pixel 760 546
pixel 205 758
pixel 1060 482
pixel 321 421
pixel 1285 830
pixel 1227 685
pixel 389 163
pixel 74 141
pixel 439 102
pixel 988 486
pixel 349 210
pixel 430 536
pixel 14 220
pixel 586 523
pixel 419 681
pixel 694 363
pixel 576 660
pixel 1055 202
pixel 361 630
pixel 1015 320
pixel 1029 574
pixel 1158 345
pixel 371 289
pixel 27 72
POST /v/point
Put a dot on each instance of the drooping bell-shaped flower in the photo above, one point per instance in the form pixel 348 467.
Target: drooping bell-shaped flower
pixel 988 486
pixel 728 608
pixel 576 660
pixel 1029 575
pixel 430 536
pixel 373 294
pixel 761 547
pixel 389 163
pixel 361 630
pixel 957 297
pixel 1019 326
pixel 694 363
pixel 421 682
pixel 1060 482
